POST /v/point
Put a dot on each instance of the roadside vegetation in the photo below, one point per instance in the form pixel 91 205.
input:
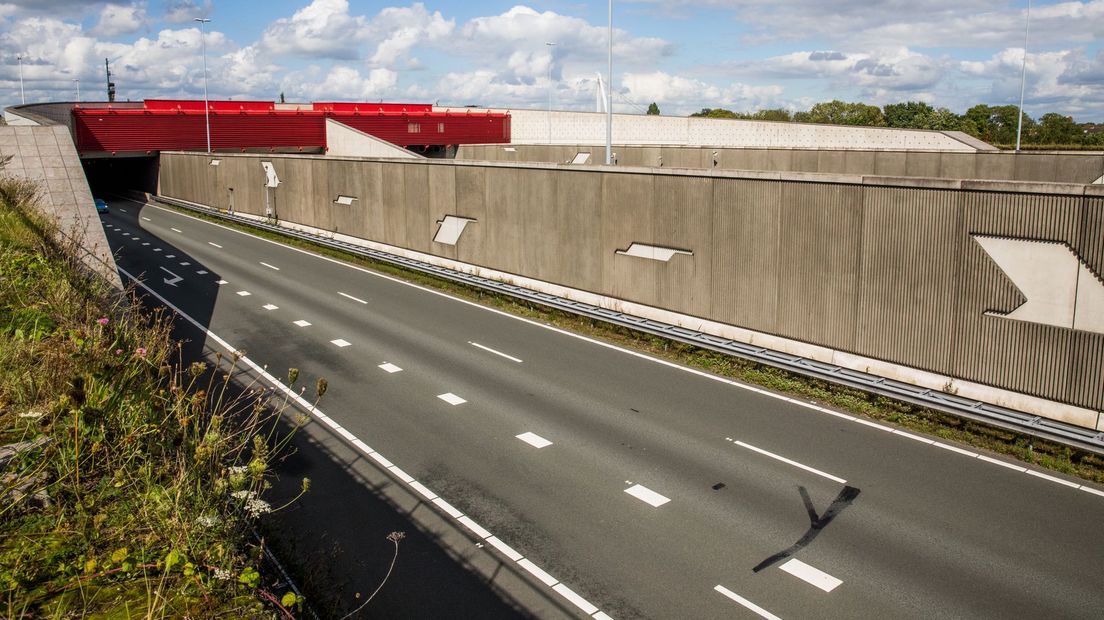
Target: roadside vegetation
pixel 993 124
pixel 1038 452
pixel 129 479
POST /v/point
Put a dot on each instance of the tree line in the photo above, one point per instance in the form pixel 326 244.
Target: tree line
pixel 993 124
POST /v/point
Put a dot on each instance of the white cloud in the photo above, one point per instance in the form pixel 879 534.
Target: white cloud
pixel 341 83
pixel 322 29
pixel 681 95
pixel 399 30
pixel 120 19
pixel 181 11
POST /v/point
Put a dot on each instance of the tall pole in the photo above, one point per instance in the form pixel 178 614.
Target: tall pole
pixel 550 46
pixel 77 80
pixel 1023 77
pixel 22 97
pixel 206 105
pixel 609 91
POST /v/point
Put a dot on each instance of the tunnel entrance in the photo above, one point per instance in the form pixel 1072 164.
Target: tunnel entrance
pixel 110 175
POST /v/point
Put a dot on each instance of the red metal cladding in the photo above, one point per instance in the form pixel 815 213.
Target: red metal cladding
pixel 368 108
pixel 158 129
pixel 191 104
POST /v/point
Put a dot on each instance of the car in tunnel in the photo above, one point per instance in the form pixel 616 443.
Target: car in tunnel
pixel 101 205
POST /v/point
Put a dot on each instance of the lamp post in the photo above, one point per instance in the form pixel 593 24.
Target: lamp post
pixel 609 91
pixel 550 55
pixel 1023 77
pixel 206 105
pixel 77 80
pixel 22 97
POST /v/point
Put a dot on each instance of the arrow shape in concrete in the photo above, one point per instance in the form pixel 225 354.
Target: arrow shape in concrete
pixel 1059 288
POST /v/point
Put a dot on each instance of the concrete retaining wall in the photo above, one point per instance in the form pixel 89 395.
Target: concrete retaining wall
pixel 909 278
pixel 533 127
pixel 1048 167
pixel 46 154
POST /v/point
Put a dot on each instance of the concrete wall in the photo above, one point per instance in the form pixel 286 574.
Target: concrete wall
pixel 345 141
pixel 1044 166
pixel 881 274
pixel 46 154
pixel 532 127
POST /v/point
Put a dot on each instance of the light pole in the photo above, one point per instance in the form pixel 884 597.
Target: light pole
pixel 77 80
pixel 550 56
pixel 22 97
pixel 206 105
pixel 1023 77
pixel 609 91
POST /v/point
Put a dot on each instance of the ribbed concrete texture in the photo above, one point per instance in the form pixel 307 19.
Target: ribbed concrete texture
pixel 560 127
pixel 897 271
pixel 1045 166
pixel 46 155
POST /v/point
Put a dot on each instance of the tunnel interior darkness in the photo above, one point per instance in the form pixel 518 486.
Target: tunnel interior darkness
pixel 109 175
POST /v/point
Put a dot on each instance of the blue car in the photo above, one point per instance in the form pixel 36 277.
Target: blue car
pixel 101 206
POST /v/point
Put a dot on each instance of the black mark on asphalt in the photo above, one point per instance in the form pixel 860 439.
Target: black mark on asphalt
pixel 816 523
pixel 718 486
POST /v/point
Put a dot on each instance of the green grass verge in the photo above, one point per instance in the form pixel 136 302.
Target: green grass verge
pixel 138 475
pixel 1038 452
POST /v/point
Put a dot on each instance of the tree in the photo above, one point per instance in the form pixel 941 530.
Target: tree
pixel 1057 129
pixel 837 112
pixel 773 114
pixel 653 109
pixel 909 115
pixel 997 124
pixel 717 113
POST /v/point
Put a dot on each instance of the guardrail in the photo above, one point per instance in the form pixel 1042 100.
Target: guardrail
pixel 1002 417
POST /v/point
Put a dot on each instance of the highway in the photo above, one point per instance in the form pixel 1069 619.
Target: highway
pixel 635 488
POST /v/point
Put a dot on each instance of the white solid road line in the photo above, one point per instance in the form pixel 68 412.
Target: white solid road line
pixel 176 230
pixel 341 342
pixel 811 575
pixel 647 495
pixel 353 298
pixel 214 244
pixel 490 350
pixel 391 368
pixel 273 267
pixel 317 413
pixel 637 354
pixel 302 323
pixel 451 399
pixel 746 603
pixel 790 462
pixel 270 307
pixel 534 440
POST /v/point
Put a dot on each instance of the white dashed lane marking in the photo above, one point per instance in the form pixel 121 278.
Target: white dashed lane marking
pixel 221 282
pixel 146 218
pixel 146 243
pixel 763 613
pixel 790 462
pixel 244 293
pixel 647 495
pixel 185 264
pixel 351 297
pixel 123 210
pixel 389 367
pixel 534 440
pixel 273 267
pixel 811 575
pixel 341 342
pixel 156 249
pixel 451 398
pixel 270 307
pixel 490 350
pixel 201 272
pixel 302 323
pixel 170 256
pixel 214 244
pixel 176 230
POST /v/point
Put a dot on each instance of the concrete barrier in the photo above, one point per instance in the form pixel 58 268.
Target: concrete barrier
pixel 1044 166
pixel 922 280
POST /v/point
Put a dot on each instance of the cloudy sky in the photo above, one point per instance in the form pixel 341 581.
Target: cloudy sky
pixel 682 54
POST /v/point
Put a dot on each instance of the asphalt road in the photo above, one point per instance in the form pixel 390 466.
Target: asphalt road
pixel 645 488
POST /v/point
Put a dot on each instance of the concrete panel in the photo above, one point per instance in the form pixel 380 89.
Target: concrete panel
pixel 746 269
pixel 416 209
pixel 1037 167
pixel 995 165
pixel 821 255
pixel 540 243
pixel 831 162
pixel 293 199
pixel 804 161
pixel 578 210
pixel 859 162
pixel 471 194
pixel 922 164
pixel 628 215
pixel 891 164
pixel 958 165
pixel 442 202
pixel 684 220
pixel 393 195
pixel 504 221
pixel 345 178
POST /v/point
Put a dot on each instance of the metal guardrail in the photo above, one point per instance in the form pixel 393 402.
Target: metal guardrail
pixel 1002 417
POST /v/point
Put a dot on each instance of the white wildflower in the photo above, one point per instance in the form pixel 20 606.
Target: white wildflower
pixel 257 507
pixel 239 469
pixel 243 495
pixel 208 521
pixel 223 574
pixel 32 414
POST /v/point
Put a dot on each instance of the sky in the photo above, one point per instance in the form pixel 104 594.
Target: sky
pixel 684 55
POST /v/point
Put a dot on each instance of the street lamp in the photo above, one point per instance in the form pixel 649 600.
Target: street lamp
pixel 550 57
pixel 206 105
pixel 609 91
pixel 1023 76
pixel 77 80
pixel 22 97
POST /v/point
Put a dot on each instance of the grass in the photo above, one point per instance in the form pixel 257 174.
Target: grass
pixel 140 475
pixel 1041 453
